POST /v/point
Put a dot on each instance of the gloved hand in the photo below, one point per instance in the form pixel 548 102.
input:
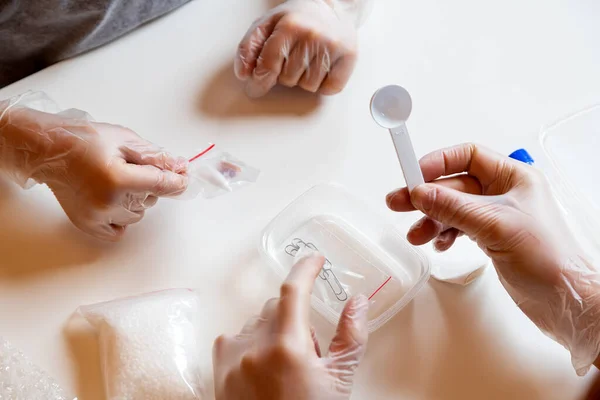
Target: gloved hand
pixel 508 208
pixel 104 176
pixel 306 43
pixel 276 355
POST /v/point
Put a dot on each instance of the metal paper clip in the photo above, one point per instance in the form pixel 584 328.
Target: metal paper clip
pixel 326 272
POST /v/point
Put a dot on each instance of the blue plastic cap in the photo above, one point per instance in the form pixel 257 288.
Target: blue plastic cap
pixel 523 156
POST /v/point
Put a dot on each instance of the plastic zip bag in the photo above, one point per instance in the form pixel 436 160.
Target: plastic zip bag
pixel 148 346
pixel 213 172
pixel 20 379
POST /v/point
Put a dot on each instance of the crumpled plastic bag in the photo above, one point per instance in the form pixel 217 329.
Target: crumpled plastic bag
pixel 21 379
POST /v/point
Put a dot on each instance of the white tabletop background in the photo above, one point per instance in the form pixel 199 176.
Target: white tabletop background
pixel 491 72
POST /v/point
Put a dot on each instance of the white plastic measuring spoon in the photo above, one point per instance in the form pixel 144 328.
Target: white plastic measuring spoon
pixel 390 108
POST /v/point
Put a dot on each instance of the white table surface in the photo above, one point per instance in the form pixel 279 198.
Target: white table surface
pixel 491 72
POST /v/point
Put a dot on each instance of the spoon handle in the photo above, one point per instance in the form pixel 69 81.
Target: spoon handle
pixel 407 157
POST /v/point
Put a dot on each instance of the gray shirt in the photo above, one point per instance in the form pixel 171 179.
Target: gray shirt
pixel 37 33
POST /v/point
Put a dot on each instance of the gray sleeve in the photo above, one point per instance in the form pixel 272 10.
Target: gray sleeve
pixel 37 33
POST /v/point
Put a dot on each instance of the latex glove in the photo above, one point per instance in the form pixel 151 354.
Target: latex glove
pixel 306 43
pixel 276 355
pixel 509 209
pixel 104 176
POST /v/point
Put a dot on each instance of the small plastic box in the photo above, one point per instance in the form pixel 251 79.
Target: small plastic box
pixel 572 149
pixel 364 253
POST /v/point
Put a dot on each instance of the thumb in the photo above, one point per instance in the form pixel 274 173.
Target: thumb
pixel 463 211
pixel 350 342
pixel 151 180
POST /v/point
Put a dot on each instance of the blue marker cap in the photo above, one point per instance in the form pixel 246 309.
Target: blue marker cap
pixel 523 156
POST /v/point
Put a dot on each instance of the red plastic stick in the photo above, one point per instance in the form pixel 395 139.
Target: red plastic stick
pixel 203 152
pixel 380 287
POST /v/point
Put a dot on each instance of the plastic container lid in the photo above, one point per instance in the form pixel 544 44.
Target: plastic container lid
pixel 364 253
pixel 572 148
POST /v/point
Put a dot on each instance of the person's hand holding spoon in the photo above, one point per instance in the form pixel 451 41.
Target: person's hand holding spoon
pixel 390 108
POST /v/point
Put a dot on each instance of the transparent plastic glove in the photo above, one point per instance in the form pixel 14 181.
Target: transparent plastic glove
pixel 306 43
pixel 104 176
pixel 508 208
pixel 277 356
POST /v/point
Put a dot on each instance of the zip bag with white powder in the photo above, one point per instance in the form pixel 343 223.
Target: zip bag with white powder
pixel 148 345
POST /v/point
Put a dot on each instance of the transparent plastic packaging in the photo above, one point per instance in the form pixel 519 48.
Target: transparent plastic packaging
pixel 148 345
pixel 21 379
pixel 364 254
pixel 213 172
pixel 571 163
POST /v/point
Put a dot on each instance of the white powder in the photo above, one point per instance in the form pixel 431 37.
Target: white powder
pixel 20 379
pixel 148 346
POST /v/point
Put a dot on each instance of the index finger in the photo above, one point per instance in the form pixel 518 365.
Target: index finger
pixel 252 44
pixel 483 167
pixel 399 200
pixel 473 159
pixel 296 291
pixel 147 153
pixel 270 63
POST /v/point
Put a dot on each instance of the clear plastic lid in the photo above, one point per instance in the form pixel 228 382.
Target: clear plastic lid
pixel 364 253
pixel 572 146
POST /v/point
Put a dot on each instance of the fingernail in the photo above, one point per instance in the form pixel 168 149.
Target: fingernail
pixel 417 224
pixel 438 249
pixel 423 197
pixel 440 245
pixel 306 253
pixel 389 199
pixel 361 310
pixel 361 306
pixel 181 165
pixel 239 68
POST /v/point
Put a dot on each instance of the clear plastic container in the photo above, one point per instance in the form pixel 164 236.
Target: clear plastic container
pixel 364 253
pixel 572 149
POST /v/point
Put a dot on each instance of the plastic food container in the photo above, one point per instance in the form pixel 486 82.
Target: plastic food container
pixel 572 164
pixel 364 253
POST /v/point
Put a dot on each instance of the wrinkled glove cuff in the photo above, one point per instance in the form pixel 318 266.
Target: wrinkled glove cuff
pixel 356 10
pixel 17 159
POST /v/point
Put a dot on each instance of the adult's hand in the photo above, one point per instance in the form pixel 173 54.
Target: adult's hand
pixel 508 208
